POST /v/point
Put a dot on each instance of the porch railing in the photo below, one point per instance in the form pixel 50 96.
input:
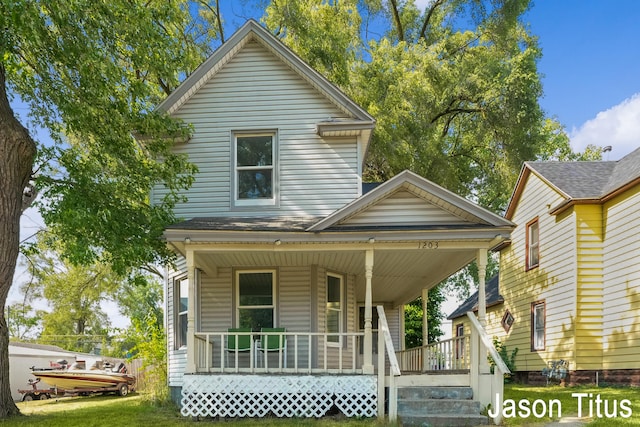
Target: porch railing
pixel 445 355
pixel 304 352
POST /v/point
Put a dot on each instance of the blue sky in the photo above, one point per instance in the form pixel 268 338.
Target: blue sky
pixel 591 69
pixel 590 66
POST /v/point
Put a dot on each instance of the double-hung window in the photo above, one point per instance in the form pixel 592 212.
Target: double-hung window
pixel 255 298
pixel 533 244
pixel 255 169
pixel 538 326
pixel 181 293
pixel 335 308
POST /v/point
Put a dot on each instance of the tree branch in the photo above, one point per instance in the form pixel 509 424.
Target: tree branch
pixel 396 18
pixel 432 9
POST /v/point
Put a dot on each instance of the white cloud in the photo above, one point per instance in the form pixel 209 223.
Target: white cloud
pixel 619 127
pixel 423 4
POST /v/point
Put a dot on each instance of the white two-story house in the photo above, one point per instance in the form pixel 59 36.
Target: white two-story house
pixel 288 263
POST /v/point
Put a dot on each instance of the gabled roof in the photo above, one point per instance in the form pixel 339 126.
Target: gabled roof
pixel 578 182
pixel 493 297
pixel 251 30
pixel 452 208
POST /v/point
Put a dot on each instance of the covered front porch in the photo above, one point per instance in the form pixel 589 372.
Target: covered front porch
pixel 296 316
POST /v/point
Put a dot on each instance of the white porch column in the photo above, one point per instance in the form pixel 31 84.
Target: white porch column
pixel 191 313
pixel 482 294
pixel 367 365
pixel 425 325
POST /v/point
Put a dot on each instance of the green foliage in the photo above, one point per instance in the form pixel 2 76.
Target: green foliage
pixel 22 322
pixel 413 318
pixel 508 358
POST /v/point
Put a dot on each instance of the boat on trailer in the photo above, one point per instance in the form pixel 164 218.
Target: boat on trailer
pixel 97 378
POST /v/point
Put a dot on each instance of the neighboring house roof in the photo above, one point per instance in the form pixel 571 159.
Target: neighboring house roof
pixel 33 346
pixel 595 181
pixel 493 297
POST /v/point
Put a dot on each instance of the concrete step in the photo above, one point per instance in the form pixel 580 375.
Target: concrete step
pixel 422 393
pixel 438 406
pixel 450 420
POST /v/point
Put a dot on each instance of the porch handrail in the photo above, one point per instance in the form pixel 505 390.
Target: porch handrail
pixel 486 386
pixel 338 357
pixel 444 355
pixel 500 365
pixel 383 327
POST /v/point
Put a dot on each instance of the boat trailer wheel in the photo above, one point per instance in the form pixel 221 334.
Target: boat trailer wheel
pixel 123 389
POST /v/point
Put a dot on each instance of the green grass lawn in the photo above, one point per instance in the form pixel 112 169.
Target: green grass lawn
pixel 134 410
pixel 567 399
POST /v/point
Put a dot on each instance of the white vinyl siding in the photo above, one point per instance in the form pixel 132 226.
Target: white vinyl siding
pixel 176 358
pixel 403 208
pixel 256 91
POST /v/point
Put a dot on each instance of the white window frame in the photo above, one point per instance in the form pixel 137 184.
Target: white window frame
pixel 533 244
pixel 538 335
pixel 180 316
pixel 273 304
pixel 340 311
pixel 236 200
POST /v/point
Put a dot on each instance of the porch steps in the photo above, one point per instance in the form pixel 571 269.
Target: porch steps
pixel 438 406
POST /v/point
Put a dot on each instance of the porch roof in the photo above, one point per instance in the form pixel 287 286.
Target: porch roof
pixel 420 234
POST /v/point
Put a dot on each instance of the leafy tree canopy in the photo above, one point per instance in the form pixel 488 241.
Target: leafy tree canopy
pixel 91 73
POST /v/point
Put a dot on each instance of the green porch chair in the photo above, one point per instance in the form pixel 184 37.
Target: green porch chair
pixel 237 343
pixel 273 343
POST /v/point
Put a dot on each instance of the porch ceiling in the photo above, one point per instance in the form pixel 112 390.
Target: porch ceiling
pixel 399 274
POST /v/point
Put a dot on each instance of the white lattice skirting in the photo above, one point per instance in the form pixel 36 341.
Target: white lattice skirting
pixel 279 395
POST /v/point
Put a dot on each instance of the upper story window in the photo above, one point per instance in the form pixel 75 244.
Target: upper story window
pixel 533 244
pixel 255 299
pixel 538 325
pixel 181 293
pixel 255 171
pixel 335 307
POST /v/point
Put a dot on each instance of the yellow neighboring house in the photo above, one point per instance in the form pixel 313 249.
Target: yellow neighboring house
pixel 570 278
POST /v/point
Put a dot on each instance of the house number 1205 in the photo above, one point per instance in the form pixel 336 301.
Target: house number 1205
pixel 427 245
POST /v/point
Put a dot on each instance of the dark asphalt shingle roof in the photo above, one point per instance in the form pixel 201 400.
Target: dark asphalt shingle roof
pixel 246 224
pixel 493 297
pixel 590 180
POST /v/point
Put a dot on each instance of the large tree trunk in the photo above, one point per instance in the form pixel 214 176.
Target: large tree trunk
pixel 17 154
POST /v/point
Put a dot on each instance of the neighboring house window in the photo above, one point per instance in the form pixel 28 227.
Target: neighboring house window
pixel 533 244
pixel 255 299
pixel 181 293
pixel 538 325
pixel 255 172
pixel 460 342
pixel 335 307
pixel 507 321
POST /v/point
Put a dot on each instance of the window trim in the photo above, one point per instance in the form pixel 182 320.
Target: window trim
pixel 505 324
pixel 460 346
pixel 236 202
pixel 274 302
pixel 529 246
pixel 534 305
pixel 341 312
pixel 178 343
